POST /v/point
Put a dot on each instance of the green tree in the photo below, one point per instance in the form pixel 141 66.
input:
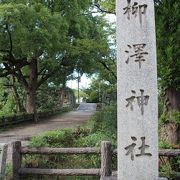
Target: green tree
pixel 107 6
pixel 100 89
pixel 28 46
pixel 46 39
pixel 11 95
pixel 168 39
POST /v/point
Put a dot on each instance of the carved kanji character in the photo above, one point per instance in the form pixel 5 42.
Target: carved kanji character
pixel 135 9
pixel 142 148
pixel 130 148
pixel 131 101
pixel 138 53
pixel 142 101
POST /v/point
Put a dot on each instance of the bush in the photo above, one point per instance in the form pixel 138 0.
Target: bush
pixel 101 127
pixel 63 138
pixel 173 117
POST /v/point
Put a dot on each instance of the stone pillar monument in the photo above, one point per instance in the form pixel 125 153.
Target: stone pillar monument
pixel 137 91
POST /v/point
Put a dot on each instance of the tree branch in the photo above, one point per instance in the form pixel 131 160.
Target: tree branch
pixel 16 72
pixel 45 78
pixel 41 71
pixel 103 10
pixel 19 75
pixel 106 67
pixel 10 38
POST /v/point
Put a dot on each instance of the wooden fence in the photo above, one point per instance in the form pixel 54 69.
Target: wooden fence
pixel 6 121
pixel 105 151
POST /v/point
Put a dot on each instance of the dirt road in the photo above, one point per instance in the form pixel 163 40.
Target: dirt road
pixel 68 120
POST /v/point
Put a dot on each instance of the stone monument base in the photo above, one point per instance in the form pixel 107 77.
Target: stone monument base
pixel 115 178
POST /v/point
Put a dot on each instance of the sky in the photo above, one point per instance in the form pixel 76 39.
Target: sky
pixel 86 81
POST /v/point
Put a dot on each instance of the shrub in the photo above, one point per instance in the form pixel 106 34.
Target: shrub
pixel 173 117
pixel 101 127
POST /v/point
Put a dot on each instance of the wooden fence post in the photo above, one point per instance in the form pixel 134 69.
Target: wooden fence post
pixel 106 155
pixel 16 159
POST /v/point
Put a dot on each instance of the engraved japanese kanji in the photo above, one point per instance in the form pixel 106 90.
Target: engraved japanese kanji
pixel 131 148
pixel 135 9
pixel 142 100
pixel 137 52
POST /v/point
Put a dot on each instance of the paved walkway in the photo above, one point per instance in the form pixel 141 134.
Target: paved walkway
pixel 68 120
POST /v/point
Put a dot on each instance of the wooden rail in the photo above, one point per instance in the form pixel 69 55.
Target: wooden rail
pixel 104 171
pixel 62 172
pixel 169 152
pixel 163 152
pixel 26 150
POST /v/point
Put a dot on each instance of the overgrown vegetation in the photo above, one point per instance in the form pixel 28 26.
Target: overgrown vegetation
pixel 43 42
pixel 173 117
pixel 101 127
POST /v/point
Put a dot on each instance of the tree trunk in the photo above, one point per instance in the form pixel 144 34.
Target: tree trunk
pixel 31 89
pixel 30 101
pixel 172 99
pixel 170 132
pixel 19 106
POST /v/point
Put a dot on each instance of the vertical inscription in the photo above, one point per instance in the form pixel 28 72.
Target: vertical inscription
pixel 137 91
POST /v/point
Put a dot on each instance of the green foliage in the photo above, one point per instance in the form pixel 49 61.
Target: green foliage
pixel 89 135
pixel 30 27
pixel 11 96
pixel 108 5
pixel 105 121
pixel 92 140
pixel 9 106
pixel 64 33
pixel 168 38
pixel 7 103
pixel 59 138
pixel 98 89
pixel 62 138
pixel 173 117
pixel 170 168
pixel 93 97
pixel 45 41
pixel 81 93
pixel 164 145
pixel 103 126
pixel 50 101
pixel 8 172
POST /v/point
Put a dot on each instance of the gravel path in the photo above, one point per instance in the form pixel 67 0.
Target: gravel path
pixel 26 131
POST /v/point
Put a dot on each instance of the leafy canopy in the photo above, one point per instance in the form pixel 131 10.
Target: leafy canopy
pixel 168 38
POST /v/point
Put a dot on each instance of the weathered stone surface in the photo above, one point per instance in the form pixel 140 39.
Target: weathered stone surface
pixel 137 91
pixel 3 156
pixel 163 178
pixel 115 178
